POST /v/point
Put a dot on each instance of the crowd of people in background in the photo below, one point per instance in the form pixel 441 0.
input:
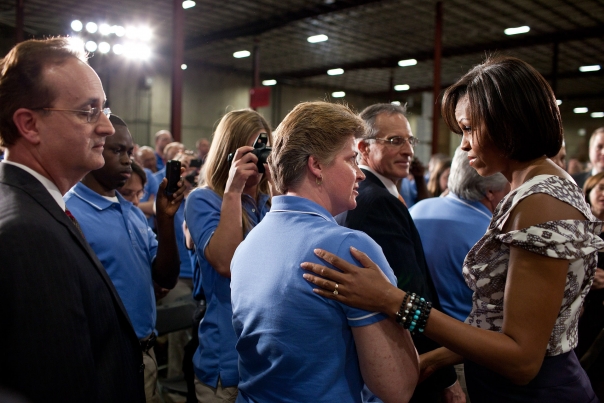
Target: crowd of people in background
pixel 504 235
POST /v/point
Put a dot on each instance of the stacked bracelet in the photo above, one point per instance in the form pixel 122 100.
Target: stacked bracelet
pixel 413 313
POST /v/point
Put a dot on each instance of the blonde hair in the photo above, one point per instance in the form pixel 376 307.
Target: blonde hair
pixel 233 131
pixel 319 129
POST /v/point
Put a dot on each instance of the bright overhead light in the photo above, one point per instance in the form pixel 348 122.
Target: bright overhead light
pixel 407 62
pixel 118 30
pixel 76 43
pixel 338 94
pixel 317 38
pixel 595 67
pixel 91 46
pixel 558 102
pixel 104 47
pixel 597 114
pixel 397 103
pixel 241 54
pixel 137 51
pixel 183 66
pixel 104 29
pixel 76 25
pixel 269 82
pixel 335 72
pixel 118 49
pixel 145 34
pixel 91 27
pixel 188 4
pixel 401 87
pixel 131 32
pixel 518 30
pixel 580 110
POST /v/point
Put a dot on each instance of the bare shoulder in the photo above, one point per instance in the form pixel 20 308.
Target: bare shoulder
pixel 539 208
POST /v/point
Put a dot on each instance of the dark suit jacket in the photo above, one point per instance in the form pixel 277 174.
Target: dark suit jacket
pixel 64 333
pixel 580 178
pixel 387 221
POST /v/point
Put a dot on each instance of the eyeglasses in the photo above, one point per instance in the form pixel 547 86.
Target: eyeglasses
pixel 131 193
pixel 92 115
pixel 399 141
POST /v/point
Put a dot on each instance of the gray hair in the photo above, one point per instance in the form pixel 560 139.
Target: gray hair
pixel 370 114
pixel 466 183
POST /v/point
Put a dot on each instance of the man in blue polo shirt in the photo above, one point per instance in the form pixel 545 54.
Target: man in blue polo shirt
pixel 118 233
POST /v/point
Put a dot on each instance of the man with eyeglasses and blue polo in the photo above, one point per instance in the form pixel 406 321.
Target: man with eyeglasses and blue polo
pixel 65 333
pixel 385 155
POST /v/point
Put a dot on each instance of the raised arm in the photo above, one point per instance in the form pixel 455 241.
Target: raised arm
pixel 229 232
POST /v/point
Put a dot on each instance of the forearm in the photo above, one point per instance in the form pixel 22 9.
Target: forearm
pixel 166 266
pixel 227 236
pixel 147 207
pixel 496 351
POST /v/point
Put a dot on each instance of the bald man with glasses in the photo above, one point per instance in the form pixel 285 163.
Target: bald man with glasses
pixel 385 155
pixel 65 333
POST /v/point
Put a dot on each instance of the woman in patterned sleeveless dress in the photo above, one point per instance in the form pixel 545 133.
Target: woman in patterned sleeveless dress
pixel 531 270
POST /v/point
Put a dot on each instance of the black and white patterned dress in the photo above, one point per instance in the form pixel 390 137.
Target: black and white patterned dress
pixel 486 265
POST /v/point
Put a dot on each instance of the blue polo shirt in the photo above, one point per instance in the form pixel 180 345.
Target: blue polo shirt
pixel 119 235
pixel 150 189
pixel 294 345
pixel 186 269
pixel 216 355
pixel 159 162
pixel 449 227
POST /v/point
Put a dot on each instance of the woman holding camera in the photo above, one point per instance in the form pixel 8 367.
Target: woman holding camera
pixel 295 346
pixel 219 214
pixel 530 272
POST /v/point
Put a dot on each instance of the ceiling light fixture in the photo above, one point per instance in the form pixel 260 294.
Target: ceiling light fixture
pixel 317 38
pixel 91 46
pixel 397 103
pixel 104 47
pixel 597 114
pixel 401 87
pixel 407 62
pixel 558 102
pixel 518 30
pixel 91 27
pixel 183 66
pixel 580 110
pixel 338 94
pixel 335 72
pixel 241 54
pixel 188 4
pixel 77 25
pixel 104 29
pixel 594 67
pixel 269 82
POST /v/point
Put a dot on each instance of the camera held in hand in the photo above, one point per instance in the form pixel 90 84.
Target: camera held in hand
pixel 261 150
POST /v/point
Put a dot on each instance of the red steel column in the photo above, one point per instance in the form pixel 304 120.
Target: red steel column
pixel 178 48
pixel 438 33
pixel 19 25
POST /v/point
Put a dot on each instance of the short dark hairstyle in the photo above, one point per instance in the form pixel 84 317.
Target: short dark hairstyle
pixel 370 114
pixel 21 83
pixel 513 104
pixel 140 172
pixel 117 121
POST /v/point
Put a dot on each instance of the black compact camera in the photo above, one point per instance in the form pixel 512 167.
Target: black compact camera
pixel 261 150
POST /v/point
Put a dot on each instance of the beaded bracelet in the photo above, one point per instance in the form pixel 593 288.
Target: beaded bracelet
pixel 413 313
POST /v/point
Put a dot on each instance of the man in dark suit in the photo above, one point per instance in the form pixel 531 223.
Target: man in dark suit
pixel 596 157
pixel 65 333
pixel 385 156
